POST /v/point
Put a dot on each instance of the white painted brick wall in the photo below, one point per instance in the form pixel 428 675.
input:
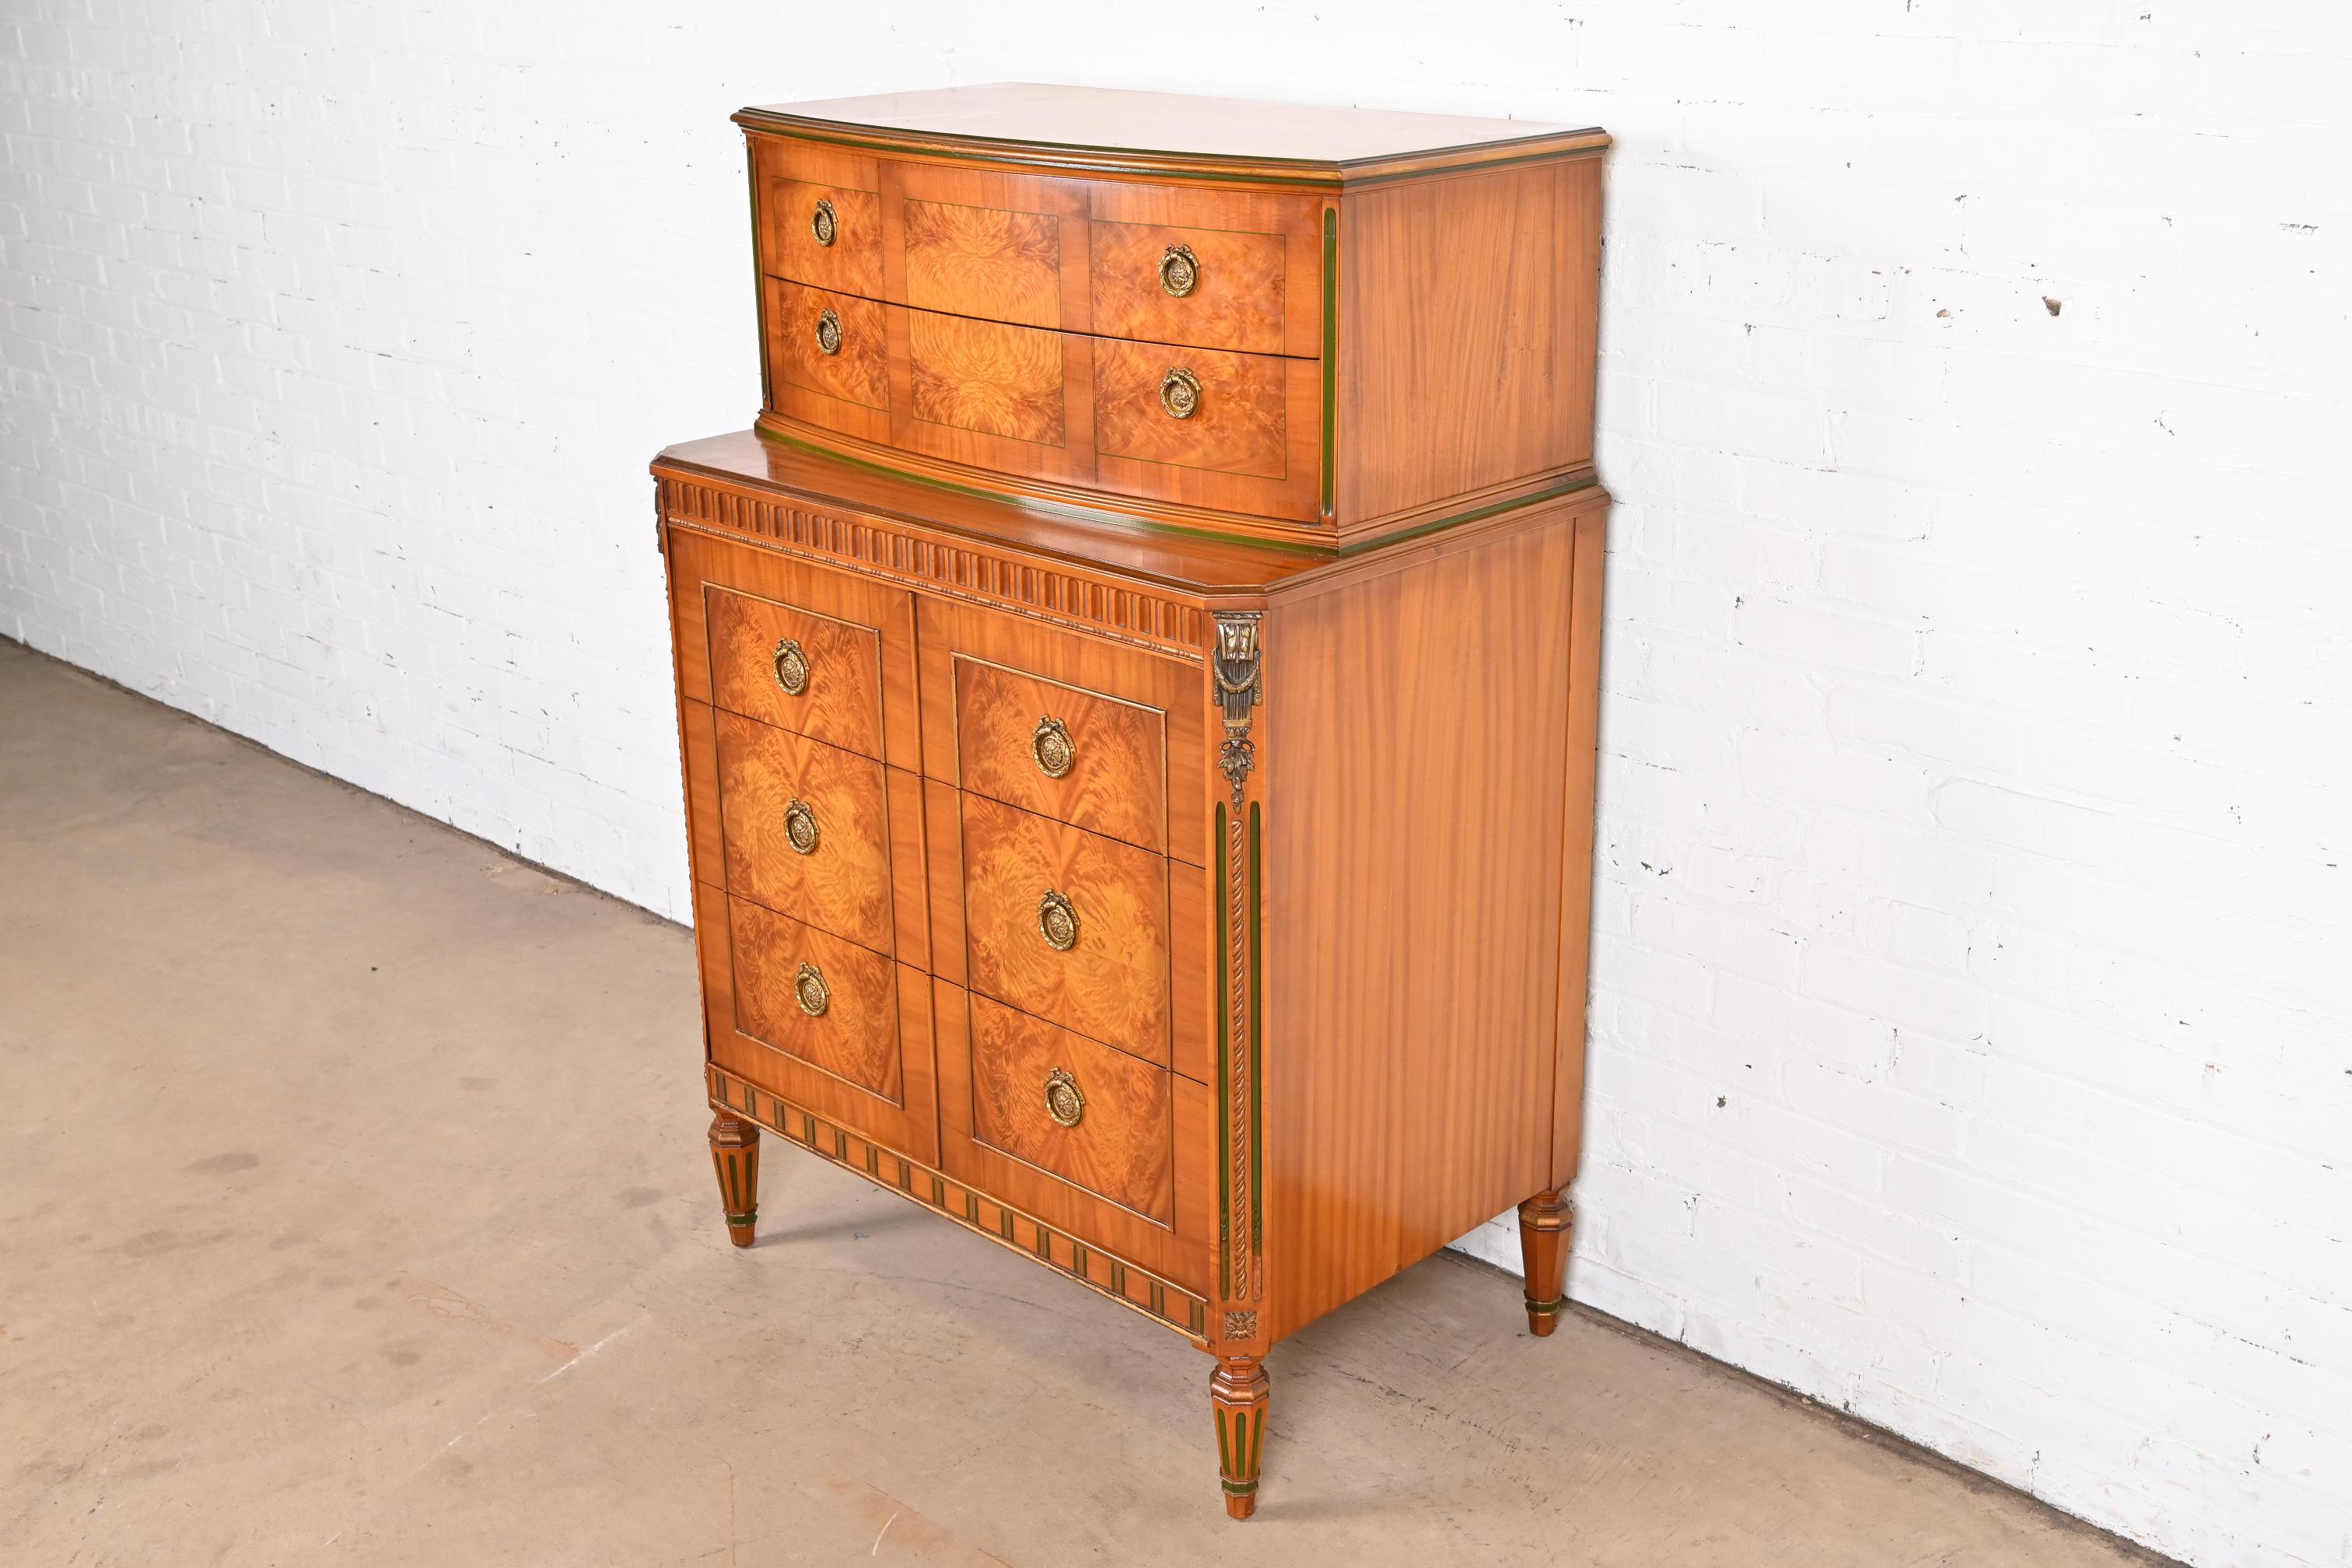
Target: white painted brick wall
pixel 1972 1019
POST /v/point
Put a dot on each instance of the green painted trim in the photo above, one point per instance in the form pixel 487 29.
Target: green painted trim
pixel 1256 1044
pixel 1223 1076
pixel 1457 518
pixel 1331 345
pixel 759 279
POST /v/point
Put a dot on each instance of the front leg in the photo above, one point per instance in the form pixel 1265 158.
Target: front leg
pixel 1545 1223
pixel 1238 1398
pixel 735 1154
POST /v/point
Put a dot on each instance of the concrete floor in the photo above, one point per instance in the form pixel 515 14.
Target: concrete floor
pixel 355 1208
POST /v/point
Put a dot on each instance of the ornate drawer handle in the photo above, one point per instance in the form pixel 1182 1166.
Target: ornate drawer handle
pixel 810 989
pixel 1179 270
pixel 1058 922
pixel 799 828
pixel 828 333
pixel 792 667
pixel 1065 1101
pixel 1052 747
pixel 1180 393
pixel 824 224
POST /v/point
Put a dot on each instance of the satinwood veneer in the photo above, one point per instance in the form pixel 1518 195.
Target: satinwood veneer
pixel 1137 690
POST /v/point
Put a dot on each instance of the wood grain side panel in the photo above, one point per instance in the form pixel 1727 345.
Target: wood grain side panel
pixel 841 703
pixel 857 634
pixel 857 1036
pixel 841 884
pixel 1180 1249
pixel 859 371
pixel 1184 469
pixel 987 377
pixel 952 631
pixel 1240 425
pixel 1122 1145
pixel 1113 984
pixel 1116 782
pixel 1237 301
pixel 983 262
pixel 1467 308
pixel 1414 850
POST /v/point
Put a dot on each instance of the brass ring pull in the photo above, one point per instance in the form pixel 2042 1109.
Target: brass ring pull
pixel 1052 747
pixel 1058 922
pixel 811 991
pixel 799 828
pixel 823 222
pixel 1179 270
pixel 1065 1101
pixel 792 667
pixel 828 333
pixel 1180 393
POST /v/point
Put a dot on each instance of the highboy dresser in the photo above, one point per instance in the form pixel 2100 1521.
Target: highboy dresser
pixel 1136 688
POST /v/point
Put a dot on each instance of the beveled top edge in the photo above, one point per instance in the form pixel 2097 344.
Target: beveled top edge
pixel 1113 130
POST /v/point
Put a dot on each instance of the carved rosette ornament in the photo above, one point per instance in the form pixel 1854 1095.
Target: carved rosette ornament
pixel 1236 666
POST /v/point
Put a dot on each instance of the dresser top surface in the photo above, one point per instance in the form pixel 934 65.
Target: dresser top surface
pixel 1108 120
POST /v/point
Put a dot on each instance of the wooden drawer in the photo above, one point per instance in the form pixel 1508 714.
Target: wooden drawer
pixel 1140 725
pixel 799 670
pixel 831 344
pixel 1068 925
pixel 830 1002
pixel 1208 288
pixel 1191 408
pixel 807 829
pixel 1096 762
pixel 1136 1178
pixel 1095 1116
pixel 1121 258
pixel 820 215
pixel 1202 427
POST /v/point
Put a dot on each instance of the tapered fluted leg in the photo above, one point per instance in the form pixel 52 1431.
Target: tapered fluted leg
pixel 1545 1221
pixel 735 1152
pixel 1237 1391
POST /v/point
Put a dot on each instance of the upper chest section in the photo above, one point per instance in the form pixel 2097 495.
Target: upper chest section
pixel 1244 318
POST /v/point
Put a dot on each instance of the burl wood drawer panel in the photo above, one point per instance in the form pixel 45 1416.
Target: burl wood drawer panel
pixel 829 358
pixel 819 215
pixel 1015 399
pixel 1068 925
pixel 1095 1116
pixel 1138 726
pixel 823 653
pixel 807 829
pixel 796 669
pixel 831 1003
pixel 1096 762
pixel 1194 408
pixel 863 1058
pixel 993 1068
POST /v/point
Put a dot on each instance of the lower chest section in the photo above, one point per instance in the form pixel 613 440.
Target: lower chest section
pixel 954 906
